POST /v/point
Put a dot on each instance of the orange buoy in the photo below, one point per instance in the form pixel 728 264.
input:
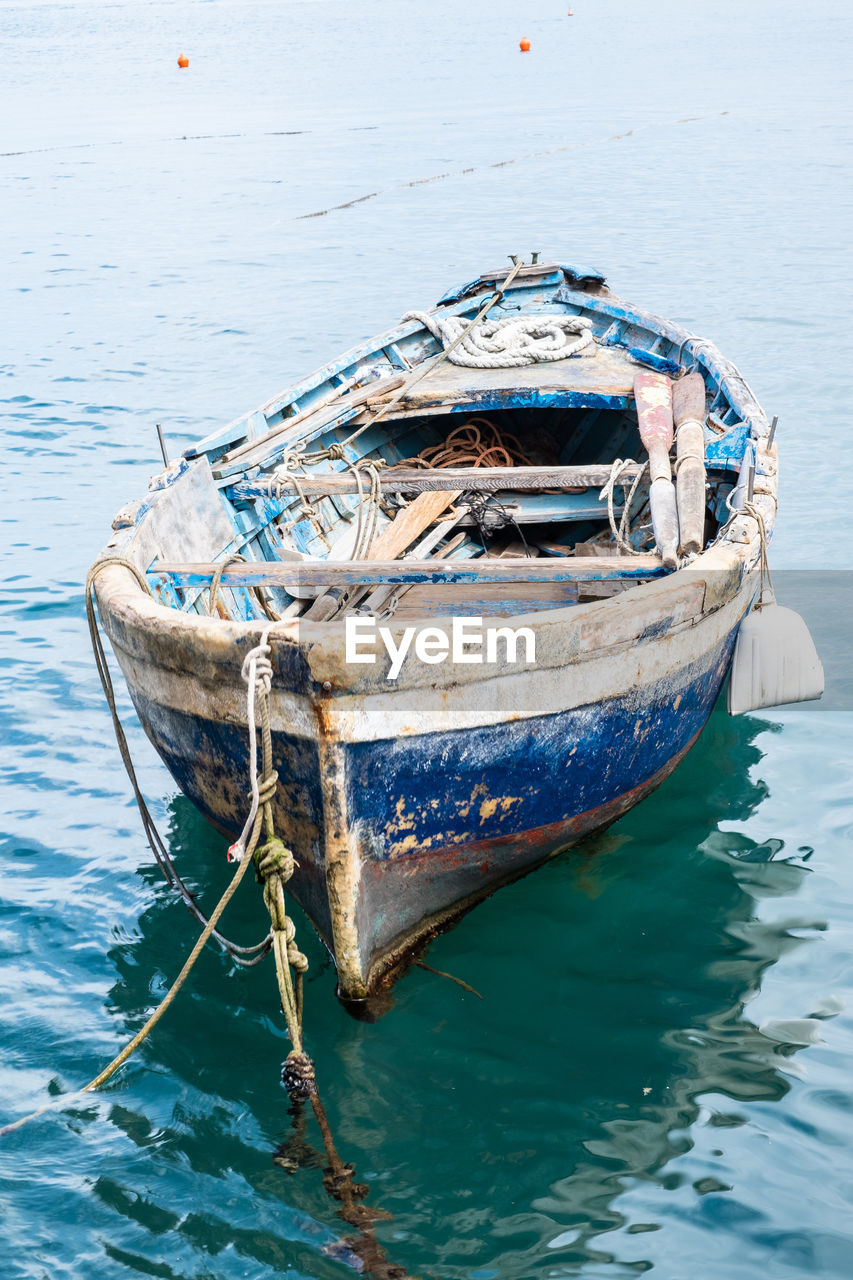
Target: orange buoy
pixel 524 45
pixel 183 60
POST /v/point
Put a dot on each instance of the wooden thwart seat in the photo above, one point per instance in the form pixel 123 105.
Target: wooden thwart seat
pixel 420 479
pixel 346 573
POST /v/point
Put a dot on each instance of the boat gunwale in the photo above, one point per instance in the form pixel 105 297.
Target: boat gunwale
pixel 197 642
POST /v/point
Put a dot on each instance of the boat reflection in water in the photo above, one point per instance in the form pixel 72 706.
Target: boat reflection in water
pixel 501 1133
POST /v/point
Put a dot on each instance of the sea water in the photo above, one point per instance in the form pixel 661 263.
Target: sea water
pixel 654 1074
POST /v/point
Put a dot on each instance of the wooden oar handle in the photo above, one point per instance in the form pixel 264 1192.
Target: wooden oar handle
pixel 688 399
pixel 688 411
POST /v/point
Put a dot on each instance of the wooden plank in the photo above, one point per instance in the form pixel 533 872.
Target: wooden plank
pixel 356 572
pixel 467 479
pixel 489 600
pixel 378 598
pixel 394 539
pixel 493 399
pixel 409 523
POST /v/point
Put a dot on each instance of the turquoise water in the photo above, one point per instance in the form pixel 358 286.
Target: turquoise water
pixel 657 1076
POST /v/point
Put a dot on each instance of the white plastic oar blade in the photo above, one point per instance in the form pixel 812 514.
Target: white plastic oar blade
pixel 775 661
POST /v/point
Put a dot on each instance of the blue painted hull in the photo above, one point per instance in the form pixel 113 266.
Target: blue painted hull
pixel 437 821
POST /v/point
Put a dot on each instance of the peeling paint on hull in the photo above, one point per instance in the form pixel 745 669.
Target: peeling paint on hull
pixel 434 821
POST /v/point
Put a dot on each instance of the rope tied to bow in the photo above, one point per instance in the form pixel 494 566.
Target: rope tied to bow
pixel 274 865
pixel 508 343
pixel 274 862
pixel 246 956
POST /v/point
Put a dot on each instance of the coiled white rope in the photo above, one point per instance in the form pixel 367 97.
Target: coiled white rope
pixel 511 342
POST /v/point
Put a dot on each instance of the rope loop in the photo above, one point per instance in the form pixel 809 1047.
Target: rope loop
pixel 621 532
pixel 257 668
pixel 217 579
pixel 292 458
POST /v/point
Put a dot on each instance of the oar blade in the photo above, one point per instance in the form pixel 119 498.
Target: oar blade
pixel 775 661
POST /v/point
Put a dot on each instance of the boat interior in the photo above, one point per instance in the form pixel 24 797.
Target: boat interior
pixel 458 467
pixel 279 521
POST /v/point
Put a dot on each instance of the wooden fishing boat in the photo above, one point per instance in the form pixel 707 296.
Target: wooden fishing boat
pixel 396 488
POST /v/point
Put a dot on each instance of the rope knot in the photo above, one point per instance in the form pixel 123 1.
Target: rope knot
pixel 292 458
pixel 297 1076
pixel 257 665
pixel 336 453
pixel 273 858
pixel 267 786
pixel 338 1181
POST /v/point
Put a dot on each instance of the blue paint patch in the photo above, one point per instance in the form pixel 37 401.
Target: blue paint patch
pixel 727 450
pixel 440 789
pixel 209 761
pixel 659 363
pixel 532 398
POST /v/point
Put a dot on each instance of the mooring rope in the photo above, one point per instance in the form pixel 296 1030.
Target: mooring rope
pixel 249 839
pixel 241 955
pixel 274 864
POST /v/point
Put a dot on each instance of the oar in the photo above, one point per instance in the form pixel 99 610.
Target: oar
pixel 653 396
pixel 688 412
